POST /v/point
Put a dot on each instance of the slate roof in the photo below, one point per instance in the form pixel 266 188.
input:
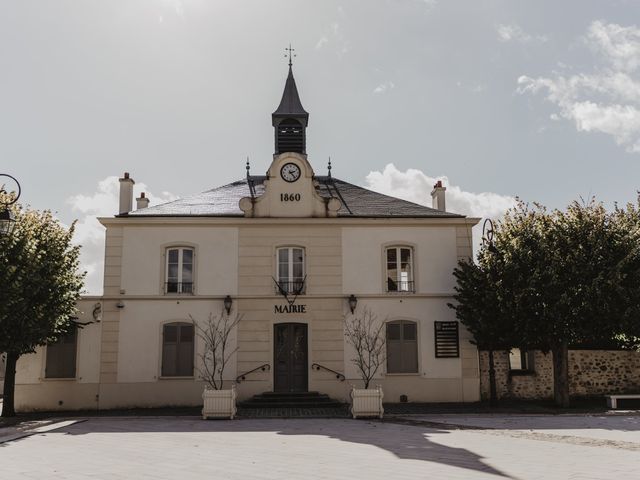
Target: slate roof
pixel 356 202
pixel 290 104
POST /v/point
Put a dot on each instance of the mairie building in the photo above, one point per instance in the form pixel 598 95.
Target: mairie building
pixel 292 253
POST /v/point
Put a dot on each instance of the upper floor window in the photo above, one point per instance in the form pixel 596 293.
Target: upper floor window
pixel 61 356
pixel 291 269
pixel 402 347
pixel 177 350
pixel 399 269
pixel 179 270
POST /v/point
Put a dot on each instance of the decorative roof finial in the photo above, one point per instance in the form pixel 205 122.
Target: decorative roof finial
pixel 290 54
pixel 329 168
pixel 248 168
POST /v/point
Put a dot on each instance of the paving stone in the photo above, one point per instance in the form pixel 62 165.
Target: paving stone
pixel 327 448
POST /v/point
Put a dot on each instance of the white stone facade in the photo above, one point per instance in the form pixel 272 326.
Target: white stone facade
pixel 342 239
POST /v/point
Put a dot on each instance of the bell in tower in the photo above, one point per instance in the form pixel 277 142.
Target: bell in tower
pixel 290 119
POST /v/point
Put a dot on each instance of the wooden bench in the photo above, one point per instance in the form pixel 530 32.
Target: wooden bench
pixel 612 400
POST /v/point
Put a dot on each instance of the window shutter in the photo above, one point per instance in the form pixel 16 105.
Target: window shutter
pixel 402 347
pixel 177 350
pixel 61 357
pixel 447 340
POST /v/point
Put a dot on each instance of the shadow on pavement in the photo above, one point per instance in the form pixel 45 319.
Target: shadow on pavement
pixel 406 442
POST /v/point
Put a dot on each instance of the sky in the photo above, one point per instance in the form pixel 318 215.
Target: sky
pixel 500 99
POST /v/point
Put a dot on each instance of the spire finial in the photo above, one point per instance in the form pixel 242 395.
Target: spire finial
pixel 329 168
pixel 248 167
pixel 290 54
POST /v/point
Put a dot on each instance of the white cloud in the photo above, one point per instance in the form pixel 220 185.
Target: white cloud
pixel 416 186
pixel 621 45
pixel 383 87
pixel 333 36
pixel 322 42
pixel 90 234
pixel 513 32
pixel 605 100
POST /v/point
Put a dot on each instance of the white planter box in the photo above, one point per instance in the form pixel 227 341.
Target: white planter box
pixel 219 403
pixel 367 403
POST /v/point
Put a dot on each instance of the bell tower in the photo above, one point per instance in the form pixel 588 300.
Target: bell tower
pixel 290 120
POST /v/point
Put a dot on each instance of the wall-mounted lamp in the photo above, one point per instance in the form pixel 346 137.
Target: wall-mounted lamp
pixel 120 304
pixel 228 301
pixel 353 303
pixel 97 312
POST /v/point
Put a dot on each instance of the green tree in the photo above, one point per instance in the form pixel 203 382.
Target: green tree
pixel 39 286
pixel 566 278
pixel 478 309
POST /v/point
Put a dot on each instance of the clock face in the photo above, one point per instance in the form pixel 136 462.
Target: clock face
pixel 290 172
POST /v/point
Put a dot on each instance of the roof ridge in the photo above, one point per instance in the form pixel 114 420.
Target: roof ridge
pixel 357 201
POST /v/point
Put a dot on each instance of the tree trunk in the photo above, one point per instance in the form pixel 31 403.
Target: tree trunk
pixel 493 391
pixel 8 409
pixel 561 375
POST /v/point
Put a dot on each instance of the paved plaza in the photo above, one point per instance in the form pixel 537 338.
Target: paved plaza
pixel 433 446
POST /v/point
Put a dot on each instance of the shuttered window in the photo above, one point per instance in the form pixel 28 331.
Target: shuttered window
pixel 177 350
pixel 61 357
pixel 447 341
pixel 402 347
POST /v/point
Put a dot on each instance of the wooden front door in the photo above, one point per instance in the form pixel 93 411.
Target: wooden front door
pixel 290 357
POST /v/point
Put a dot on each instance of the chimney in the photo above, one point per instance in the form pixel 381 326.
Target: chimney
pixel 142 202
pixel 126 194
pixel 437 196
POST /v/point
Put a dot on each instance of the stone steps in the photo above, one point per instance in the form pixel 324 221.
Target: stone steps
pixel 303 400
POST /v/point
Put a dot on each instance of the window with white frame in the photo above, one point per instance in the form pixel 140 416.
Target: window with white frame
pixel 402 347
pixel 179 270
pixel 399 269
pixel 177 350
pixel 291 269
pixel 61 356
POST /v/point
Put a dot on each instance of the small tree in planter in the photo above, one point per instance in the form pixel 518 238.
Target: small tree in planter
pixel 365 334
pixel 214 359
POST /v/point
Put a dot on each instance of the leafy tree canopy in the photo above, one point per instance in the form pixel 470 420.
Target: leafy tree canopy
pixel 39 287
pixel 552 279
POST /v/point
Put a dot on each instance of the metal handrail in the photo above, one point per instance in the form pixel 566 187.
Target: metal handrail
pixel 185 288
pixel 294 287
pixel 242 377
pixel 338 375
pixel 402 286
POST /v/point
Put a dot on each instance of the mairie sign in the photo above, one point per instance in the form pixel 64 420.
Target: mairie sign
pixel 290 308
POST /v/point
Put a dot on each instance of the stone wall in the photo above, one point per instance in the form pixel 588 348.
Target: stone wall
pixel 591 372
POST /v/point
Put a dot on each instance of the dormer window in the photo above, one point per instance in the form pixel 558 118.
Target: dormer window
pixel 179 270
pixel 399 269
pixel 291 269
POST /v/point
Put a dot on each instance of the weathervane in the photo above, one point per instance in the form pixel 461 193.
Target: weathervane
pixel 290 54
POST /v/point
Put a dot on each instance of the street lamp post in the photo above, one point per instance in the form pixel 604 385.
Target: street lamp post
pixel 488 230
pixel 7 198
